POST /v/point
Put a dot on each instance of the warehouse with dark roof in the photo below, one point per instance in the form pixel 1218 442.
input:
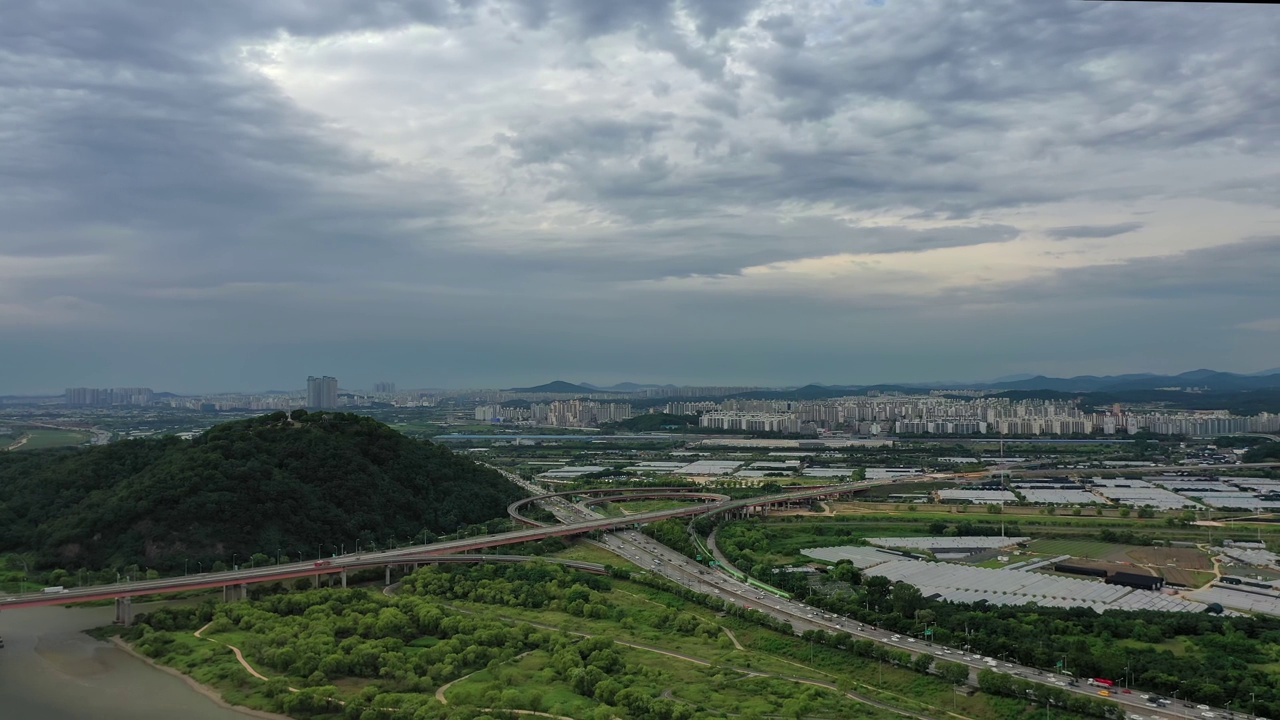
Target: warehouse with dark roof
pixel 1136 580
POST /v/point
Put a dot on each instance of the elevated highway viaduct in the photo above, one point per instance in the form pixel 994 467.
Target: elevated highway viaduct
pixel 239 578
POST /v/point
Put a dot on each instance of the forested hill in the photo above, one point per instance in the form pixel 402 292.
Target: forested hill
pixel 244 487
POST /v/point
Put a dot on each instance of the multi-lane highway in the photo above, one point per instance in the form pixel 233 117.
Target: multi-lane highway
pixel 655 557
pixel 324 566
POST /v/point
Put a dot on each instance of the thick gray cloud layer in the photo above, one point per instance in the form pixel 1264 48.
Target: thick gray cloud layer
pixel 1092 231
pixel 480 192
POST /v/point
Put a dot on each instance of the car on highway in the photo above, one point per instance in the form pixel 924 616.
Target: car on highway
pixel 1104 693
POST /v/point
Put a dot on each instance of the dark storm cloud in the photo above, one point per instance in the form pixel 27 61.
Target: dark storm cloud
pixel 1092 231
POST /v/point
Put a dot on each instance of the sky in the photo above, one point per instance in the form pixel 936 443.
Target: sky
pixel 203 197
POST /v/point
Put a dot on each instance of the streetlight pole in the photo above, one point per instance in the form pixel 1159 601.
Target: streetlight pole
pixel 277 556
pixel 185 561
pixel 199 566
pixel 22 584
pixel 233 561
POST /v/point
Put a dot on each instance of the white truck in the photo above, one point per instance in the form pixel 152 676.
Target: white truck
pixel 53 590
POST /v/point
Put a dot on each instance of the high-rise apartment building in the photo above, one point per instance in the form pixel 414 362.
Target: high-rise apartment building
pixel 322 392
pixel 106 397
pixel 83 397
pixel 384 388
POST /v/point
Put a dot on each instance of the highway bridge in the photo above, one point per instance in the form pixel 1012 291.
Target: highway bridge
pixel 236 581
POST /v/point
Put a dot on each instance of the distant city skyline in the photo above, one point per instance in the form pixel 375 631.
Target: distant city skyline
pixel 700 192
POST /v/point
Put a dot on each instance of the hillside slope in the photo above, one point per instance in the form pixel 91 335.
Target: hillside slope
pixel 244 487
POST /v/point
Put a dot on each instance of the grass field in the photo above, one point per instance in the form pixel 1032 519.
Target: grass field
pixel 586 552
pixel 1090 549
pixel 41 438
pixel 641 506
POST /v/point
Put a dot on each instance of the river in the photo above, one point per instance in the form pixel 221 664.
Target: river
pixel 51 670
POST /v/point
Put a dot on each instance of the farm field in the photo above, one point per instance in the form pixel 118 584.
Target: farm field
pixel 1185 578
pixel 1185 558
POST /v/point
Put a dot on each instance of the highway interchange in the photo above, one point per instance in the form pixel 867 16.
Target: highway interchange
pixel 662 560
pixel 622 539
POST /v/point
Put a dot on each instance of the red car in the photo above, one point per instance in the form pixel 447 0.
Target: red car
pixel 323 563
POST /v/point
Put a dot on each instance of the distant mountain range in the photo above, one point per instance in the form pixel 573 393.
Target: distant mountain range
pixel 626 387
pixel 556 386
pixel 1203 379
pixel 560 386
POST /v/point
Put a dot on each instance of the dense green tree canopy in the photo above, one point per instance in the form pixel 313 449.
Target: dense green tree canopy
pixel 251 486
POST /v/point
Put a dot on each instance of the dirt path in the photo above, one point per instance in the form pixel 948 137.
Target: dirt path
pixel 639 597
pixel 527 712
pixel 19 442
pixel 440 690
pixel 732 637
pixel 239 656
pixel 446 686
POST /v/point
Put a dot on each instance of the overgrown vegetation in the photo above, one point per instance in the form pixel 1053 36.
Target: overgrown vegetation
pixel 541 638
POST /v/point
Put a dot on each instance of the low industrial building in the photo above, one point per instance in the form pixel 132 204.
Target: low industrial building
pixel 1136 580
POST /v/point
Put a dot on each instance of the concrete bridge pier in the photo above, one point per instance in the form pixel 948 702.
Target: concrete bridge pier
pixel 235 593
pixel 124 611
pixel 344 578
pixel 388 575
